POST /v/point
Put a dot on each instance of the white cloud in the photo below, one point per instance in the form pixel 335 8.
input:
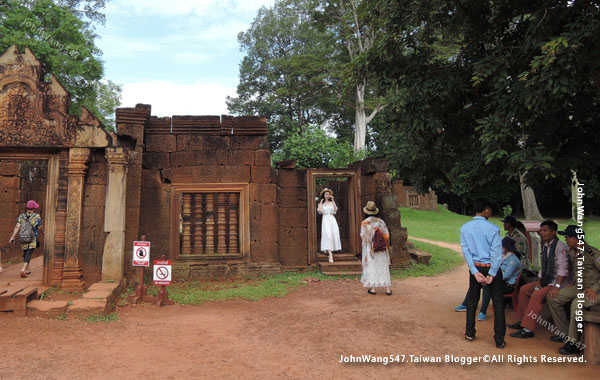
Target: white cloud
pixel 172 98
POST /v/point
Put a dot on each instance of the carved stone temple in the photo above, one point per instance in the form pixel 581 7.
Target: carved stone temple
pixel 201 188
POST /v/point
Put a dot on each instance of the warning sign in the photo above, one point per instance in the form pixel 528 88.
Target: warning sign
pixel 141 253
pixel 162 272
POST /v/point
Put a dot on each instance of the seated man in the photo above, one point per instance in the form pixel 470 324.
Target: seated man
pixel 588 258
pixel 555 269
pixel 512 231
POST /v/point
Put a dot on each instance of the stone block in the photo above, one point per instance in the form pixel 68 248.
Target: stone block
pixel 293 217
pixel 269 223
pixel 9 168
pixel 93 217
pixel 155 160
pixel 135 131
pixel 383 183
pixel 245 142
pixel 391 217
pixel 216 143
pixel 9 182
pixel 161 143
pixel 256 192
pixel 197 174
pixel 420 257
pixel 269 193
pixel 38 308
pixel 190 142
pixel 262 157
pixel 261 174
pixel 398 236
pixel 292 197
pixel 135 156
pixel 179 159
pixel 9 211
pixel 269 252
pixel 367 186
pixel 211 157
pixel 254 251
pixel 151 179
pixel 9 196
pixel 292 178
pixel 293 237
pixel 84 306
pixel 235 174
pixel 241 157
pixel 94 196
pixel 370 165
pixel 293 256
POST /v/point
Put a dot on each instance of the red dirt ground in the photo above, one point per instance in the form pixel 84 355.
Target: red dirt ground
pixel 300 336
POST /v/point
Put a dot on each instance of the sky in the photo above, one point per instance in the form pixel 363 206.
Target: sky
pixel 180 56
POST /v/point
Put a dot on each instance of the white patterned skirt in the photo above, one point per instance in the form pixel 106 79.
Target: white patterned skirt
pixel 376 271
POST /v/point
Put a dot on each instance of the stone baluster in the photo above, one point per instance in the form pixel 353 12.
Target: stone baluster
pixel 186 233
pixel 233 224
pixel 221 222
pixel 198 223
pixel 210 223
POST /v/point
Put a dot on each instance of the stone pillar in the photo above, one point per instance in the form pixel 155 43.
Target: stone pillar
pixel 72 273
pixel 114 214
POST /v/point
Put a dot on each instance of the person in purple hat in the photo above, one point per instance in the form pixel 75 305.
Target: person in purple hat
pixel 28 226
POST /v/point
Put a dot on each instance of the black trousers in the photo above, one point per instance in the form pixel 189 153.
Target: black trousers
pixel 496 289
pixel 27 255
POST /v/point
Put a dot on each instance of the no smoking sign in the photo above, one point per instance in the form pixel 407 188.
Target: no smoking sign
pixel 141 253
pixel 162 272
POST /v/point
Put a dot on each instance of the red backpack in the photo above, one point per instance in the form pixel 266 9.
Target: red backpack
pixel 379 243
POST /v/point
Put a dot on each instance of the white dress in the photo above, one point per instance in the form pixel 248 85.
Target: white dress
pixel 330 232
pixel 376 265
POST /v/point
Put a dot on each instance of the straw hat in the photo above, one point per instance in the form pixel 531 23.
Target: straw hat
pixel 325 190
pixel 371 209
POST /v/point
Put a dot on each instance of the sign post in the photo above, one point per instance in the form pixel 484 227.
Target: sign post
pixel 162 277
pixel 141 259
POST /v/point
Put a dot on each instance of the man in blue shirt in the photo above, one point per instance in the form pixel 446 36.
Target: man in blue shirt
pixel 482 249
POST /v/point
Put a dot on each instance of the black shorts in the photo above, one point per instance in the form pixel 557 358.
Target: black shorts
pixel 27 253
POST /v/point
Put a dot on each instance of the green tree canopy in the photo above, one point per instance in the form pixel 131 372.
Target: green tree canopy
pixel 60 37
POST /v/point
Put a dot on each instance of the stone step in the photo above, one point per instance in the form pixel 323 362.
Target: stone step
pixel 341 267
pixel 336 257
pixel 38 308
pixel 352 273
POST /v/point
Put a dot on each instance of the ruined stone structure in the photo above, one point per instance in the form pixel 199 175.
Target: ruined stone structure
pixel 409 197
pixel 201 188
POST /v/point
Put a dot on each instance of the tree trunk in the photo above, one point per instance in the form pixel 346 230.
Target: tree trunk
pixel 530 206
pixel 360 122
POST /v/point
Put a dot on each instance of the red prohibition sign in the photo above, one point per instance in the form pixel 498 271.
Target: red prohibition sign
pixel 141 252
pixel 162 273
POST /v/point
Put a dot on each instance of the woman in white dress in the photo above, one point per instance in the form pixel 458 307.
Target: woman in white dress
pixel 376 265
pixel 330 232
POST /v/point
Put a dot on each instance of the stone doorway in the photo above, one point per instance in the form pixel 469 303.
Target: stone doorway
pixel 27 176
pixel 344 183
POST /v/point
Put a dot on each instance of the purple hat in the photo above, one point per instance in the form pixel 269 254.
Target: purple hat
pixel 31 204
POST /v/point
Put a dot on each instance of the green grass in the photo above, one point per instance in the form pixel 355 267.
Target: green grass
pixel 279 285
pixel 444 225
pixel 102 318
pixel 442 260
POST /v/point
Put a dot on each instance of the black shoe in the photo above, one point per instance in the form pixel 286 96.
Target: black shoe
pixel 371 292
pixel 522 334
pixel 569 349
pixel 388 293
pixel 501 345
pixel 469 338
pixel 556 339
pixel 516 325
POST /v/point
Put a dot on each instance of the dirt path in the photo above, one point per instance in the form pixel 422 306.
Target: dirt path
pixel 300 336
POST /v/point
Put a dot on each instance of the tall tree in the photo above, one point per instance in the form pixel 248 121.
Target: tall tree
pixel 349 24
pixel 533 105
pixel 63 41
pixel 283 74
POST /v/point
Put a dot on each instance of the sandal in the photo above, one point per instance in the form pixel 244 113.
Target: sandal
pixel 28 272
pixel 371 292
pixel 388 293
pixel 23 274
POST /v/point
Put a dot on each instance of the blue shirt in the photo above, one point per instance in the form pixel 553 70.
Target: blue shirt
pixel 481 243
pixel 511 267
